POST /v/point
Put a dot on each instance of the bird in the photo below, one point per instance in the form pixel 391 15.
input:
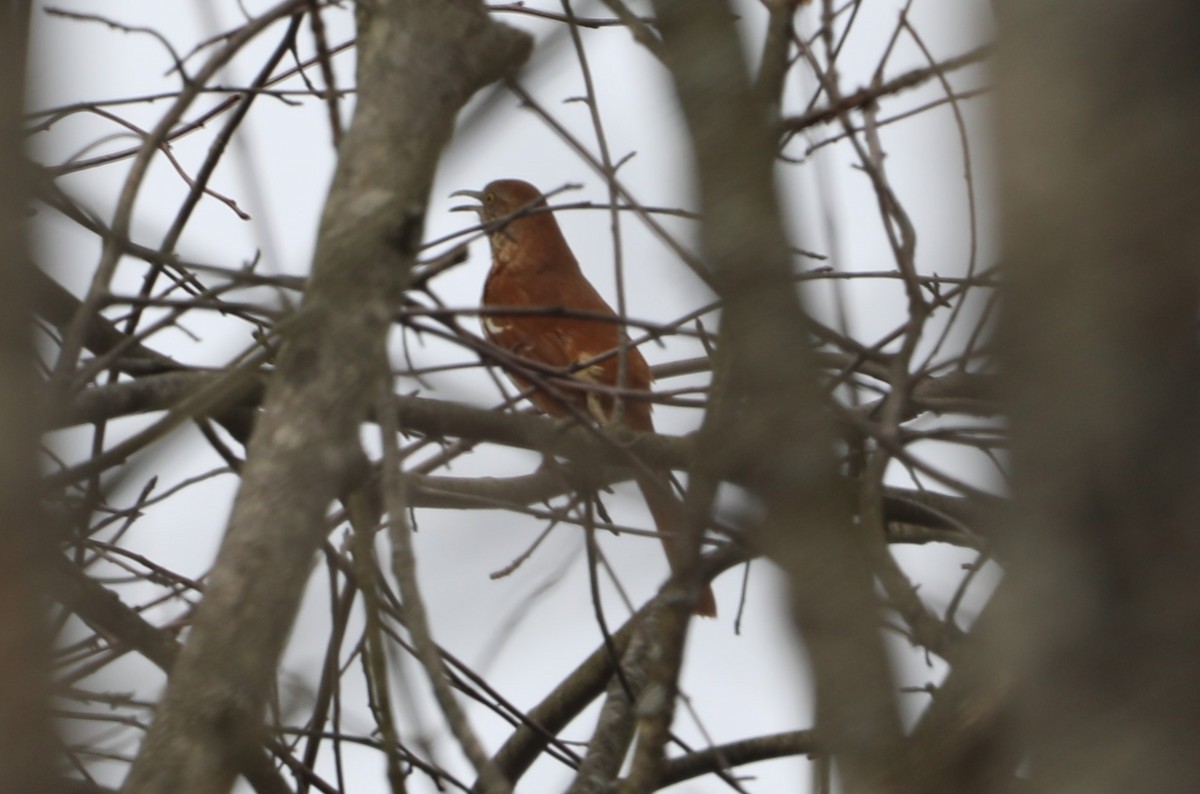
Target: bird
pixel 534 267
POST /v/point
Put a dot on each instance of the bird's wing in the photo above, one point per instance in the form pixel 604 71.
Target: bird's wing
pixel 565 342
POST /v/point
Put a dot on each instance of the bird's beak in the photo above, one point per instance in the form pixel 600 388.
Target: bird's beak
pixel 472 194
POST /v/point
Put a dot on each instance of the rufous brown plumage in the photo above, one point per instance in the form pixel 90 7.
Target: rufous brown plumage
pixel 533 267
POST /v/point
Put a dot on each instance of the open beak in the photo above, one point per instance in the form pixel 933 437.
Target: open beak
pixel 472 194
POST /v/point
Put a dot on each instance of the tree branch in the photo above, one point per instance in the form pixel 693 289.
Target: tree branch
pixel 418 64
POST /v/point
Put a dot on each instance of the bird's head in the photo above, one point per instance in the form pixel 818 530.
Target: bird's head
pixel 500 199
pixel 520 228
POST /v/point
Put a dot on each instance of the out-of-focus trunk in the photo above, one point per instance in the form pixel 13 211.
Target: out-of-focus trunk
pixel 1099 104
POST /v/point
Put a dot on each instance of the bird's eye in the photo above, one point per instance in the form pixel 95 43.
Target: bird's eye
pixel 489 197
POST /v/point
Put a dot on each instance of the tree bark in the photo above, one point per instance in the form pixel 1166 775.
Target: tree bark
pixel 418 63
pixel 1099 106
pixel 27 741
pixel 766 424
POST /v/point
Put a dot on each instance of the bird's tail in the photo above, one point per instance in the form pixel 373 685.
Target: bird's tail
pixel 669 520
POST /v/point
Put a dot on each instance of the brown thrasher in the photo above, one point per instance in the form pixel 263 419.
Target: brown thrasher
pixel 533 267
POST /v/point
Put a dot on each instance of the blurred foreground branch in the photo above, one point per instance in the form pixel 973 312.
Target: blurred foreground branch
pixel 324 380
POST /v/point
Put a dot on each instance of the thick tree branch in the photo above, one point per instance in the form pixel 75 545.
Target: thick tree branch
pixel 1101 190
pixel 418 63
pixel 615 726
pixel 27 736
pixel 766 418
